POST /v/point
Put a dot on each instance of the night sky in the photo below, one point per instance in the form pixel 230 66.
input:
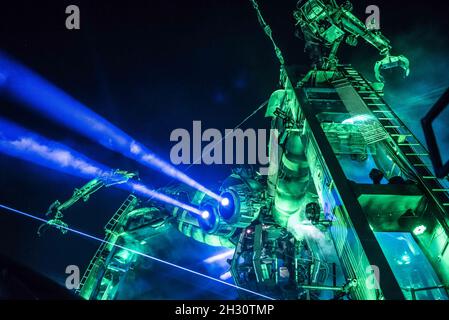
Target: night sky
pixel 150 67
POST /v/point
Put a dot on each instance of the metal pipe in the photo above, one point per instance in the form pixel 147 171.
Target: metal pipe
pixel 293 180
pixel 327 288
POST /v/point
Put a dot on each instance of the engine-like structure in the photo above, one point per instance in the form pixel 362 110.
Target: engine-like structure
pixel 349 184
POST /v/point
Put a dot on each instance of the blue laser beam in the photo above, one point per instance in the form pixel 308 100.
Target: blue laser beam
pixel 26 87
pixel 143 190
pixel 18 142
pixel 86 235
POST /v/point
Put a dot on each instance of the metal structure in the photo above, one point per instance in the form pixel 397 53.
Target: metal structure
pixel 353 211
pixel 55 210
pixel 441 167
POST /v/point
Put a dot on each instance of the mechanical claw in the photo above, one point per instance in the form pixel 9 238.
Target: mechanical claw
pixel 391 62
pixel 56 223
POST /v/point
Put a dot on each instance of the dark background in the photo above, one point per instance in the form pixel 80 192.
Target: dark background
pixel 150 67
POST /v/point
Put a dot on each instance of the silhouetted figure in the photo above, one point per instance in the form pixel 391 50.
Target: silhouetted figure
pixel 376 176
pixel 397 180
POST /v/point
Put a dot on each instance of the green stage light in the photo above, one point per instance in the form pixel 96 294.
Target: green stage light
pixel 419 230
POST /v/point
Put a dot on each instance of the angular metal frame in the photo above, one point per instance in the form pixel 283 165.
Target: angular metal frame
pixel 441 170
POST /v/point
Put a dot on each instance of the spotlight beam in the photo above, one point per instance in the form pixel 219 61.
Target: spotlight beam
pixel 145 191
pixel 219 257
pixel 18 142
pixel 34 92
pixel 167 263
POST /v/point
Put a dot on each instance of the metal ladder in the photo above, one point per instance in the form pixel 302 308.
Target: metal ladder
pixel 112 223
pixel 412 149
pixel 102 252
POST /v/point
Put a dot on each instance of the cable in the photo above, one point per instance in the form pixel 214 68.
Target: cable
pixel 264 104
pixel 230 132
pixel 267 29
pixel 86 235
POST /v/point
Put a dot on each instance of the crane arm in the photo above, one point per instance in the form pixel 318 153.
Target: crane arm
pixel 357 28
pixel 56 208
